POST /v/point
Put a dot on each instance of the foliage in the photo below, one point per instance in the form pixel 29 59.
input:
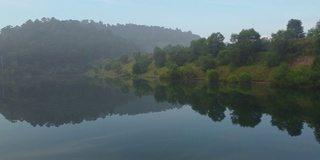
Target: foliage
pixel 141 65
pixel 295 26
pixel 284 48
pixel 198 48
pixel 116 66
pixel 224 57
pixel 317 44
pixel 316 64
pixel 174 73
pixel 232 79
pixel 188 73
pixel 206 62
pixel 315 31
pixel 159 57
pixel 244 78
pixel 178 55
pixel 148 37
pixel 297 77
pixel 50 46
pixel 215 43
pixel 212 75
pixel 280 77
pixel 246 44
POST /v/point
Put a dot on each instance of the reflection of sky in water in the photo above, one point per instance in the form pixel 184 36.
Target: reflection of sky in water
pixel 174 134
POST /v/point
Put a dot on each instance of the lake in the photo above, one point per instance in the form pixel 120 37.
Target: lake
pixel 82 118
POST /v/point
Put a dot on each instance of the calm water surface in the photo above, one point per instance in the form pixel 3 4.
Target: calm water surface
pixel 80 118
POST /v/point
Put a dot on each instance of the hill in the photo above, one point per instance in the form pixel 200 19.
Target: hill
pixel 288 59
pixel 148 37
pixel 51 46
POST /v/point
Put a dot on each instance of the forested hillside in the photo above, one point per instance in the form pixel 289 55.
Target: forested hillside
pixel 148 37
pixel 51 46
pixel 290 58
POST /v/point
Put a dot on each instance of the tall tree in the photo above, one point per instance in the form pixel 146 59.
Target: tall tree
pixel 247 43
pixel 215 43
pixel 159 57
pixel 295 26
pixel 315 31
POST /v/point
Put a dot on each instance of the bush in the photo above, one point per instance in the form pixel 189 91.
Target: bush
pixel 212 75
pixel 116 67
pixel 280 77
pixel 174 73
pixel 141 65
pixel 188 73
pixel 232 79
pixel 299 77
pixel 206 62
pixel 244 78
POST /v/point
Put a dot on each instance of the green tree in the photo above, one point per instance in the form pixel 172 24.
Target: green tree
pixel 141 65
pixel 283 48
pixel 179 55
pixel 315 31
pixel 159 57
pixel 197 48
pixel 174 73
pixel 212 75
pixel 282 35
pixel 295 26
pixel 215 43
pixel 206 62
pixel 247 44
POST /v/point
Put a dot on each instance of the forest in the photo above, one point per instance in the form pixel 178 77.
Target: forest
pixel 51 46
pixel 289 58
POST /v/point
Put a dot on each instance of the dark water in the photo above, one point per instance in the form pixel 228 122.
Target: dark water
pixel 80 118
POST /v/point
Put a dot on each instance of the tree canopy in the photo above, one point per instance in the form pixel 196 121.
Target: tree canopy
pixel 295 26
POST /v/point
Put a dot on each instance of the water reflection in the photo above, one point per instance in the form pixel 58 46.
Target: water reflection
pixel 57 101
pixel 289 109
pixel 47 101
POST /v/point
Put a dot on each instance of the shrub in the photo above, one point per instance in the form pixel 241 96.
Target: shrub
pixel 232 79
pixel 206 62
pixel 280 77
pixel 174 73
pixel 212 75
pixel 141 65
pixel 116 66
pixel 244 78
pixel 188 73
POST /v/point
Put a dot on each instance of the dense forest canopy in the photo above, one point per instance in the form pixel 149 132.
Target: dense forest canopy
pixel 288 58
pixel 54 46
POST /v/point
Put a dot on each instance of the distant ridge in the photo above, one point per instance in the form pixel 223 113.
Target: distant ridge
pixel 52 46
pixel 148 37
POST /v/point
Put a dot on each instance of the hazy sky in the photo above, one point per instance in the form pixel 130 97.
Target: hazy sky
pixel 202 17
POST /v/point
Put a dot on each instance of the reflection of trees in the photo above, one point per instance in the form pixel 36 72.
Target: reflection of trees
pixel 317 133
pixel 160 93
pixel 245 110
pixel 141 87
pixel 289 109
pixel 67 100
pixel 55 102
pixel 293 126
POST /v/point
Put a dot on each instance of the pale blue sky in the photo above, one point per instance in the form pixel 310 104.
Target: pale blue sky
pixel 202 17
